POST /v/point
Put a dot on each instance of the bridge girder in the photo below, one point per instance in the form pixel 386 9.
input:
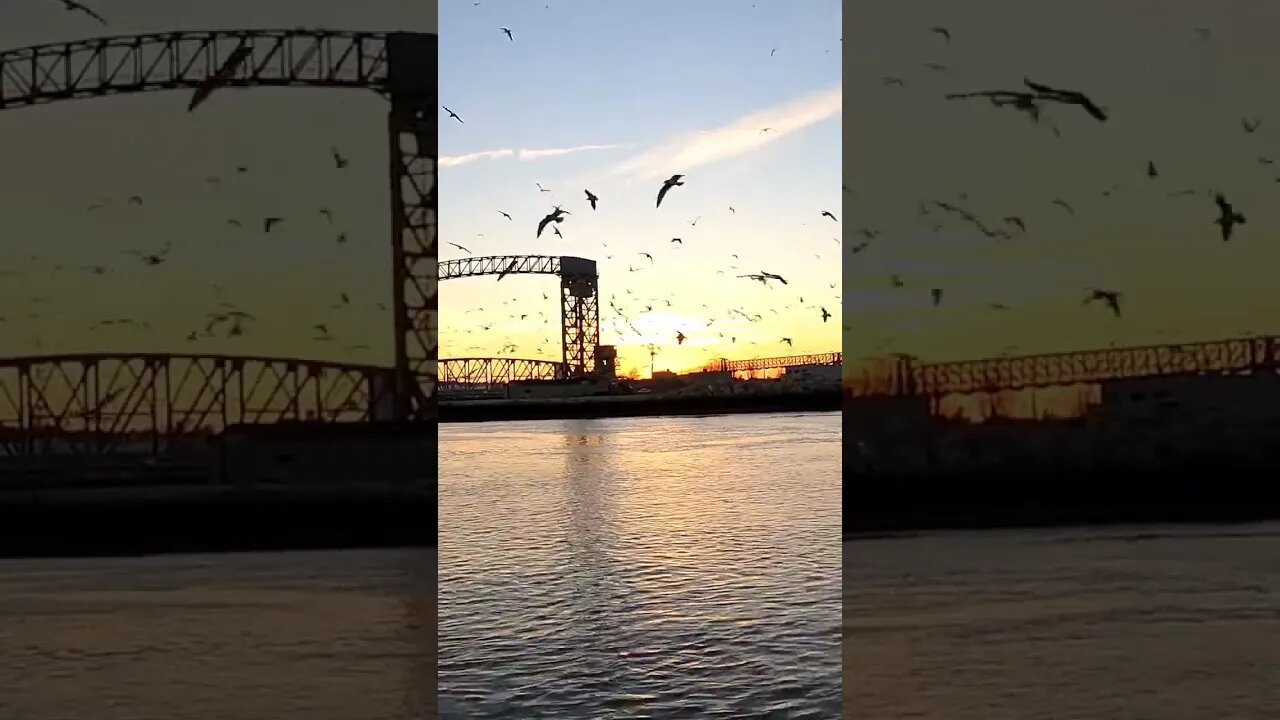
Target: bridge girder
pixel 399 66
pixel 105 403
pixel 787 361
pixel 471 372
pixel 1093 366
pixel 579 298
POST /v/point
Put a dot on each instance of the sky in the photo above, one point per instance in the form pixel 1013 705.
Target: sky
pixel 1174 99
pixel 616 96
pixel 63 157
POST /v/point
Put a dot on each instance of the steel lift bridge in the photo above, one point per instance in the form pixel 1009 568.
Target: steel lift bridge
pixel 153 395
pixel 579 321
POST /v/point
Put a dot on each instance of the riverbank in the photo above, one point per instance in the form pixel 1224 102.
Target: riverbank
pixel 635 406
pixel 1102 496
pixel 123 521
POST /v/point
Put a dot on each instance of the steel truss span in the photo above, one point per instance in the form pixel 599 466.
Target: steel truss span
pixel 780 362
pixel 471 372
pixel 399 66
pixel 579 298
pixel 1094 366
pixel 96 404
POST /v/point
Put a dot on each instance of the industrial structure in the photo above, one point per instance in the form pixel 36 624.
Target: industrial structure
pixel 400 66
pixel 1084 367
pixel 106 405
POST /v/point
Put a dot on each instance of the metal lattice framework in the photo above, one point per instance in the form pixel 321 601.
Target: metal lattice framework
pixel 471 372
pixel 579 298
pixel 780 362
pixel 399 66
pixel 103 403
pixel 1094 366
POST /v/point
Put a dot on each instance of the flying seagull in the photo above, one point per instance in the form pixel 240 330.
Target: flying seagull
pixel 508 32
pixel 591 198
pixel 1110 297
pixel 460 248
pixel 452 114
pixel 73 6
pixel 269 223
pixel 943 32
pixel 1228 217
pixel 671 182
pixel 827 213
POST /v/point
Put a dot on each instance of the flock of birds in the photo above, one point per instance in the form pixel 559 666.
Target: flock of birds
pixel 625 311
pixel 225 319
pixel 625 318
pixel 1031 99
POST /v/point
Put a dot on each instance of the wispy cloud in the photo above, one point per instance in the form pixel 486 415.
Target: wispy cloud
pixel 523 154
pixel 556 152
pixel 739 137
pixel 455 160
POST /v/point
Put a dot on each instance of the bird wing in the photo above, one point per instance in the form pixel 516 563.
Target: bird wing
pixel 662 193
pixel 542 225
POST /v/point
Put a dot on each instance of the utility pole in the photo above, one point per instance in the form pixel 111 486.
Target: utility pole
pixel 653 350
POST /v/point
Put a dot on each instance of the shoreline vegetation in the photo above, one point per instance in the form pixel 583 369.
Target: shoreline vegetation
pixel 637 406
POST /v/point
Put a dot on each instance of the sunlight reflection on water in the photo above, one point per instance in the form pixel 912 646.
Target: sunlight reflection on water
pixel 645 567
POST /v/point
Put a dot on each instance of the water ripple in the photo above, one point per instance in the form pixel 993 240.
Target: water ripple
pixel 633 568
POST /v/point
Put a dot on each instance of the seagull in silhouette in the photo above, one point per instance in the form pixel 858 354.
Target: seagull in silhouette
pixel 270 222
pixel 503 214
pixel 135 200
pixel 554 216
pixel 887 81
pixel 787 340
pixel 508 32
pixel 73 6
pixel 328 214
pixel 1110 297
pixel 825 315
pixel 648 256
pixel 339 161
pixel 1017 221
pixel 827 213
pixel 1067 97
pixel 591 198
pixel 670 182
pixel 679 338
pixel 942 31
pixel 452 114
pixel 1250 126
pixel 1063 204
pixel 1151 169
pixel 510 267
pixel 1228 217
pixel 677 240
pixel 461 248
pixel 540 188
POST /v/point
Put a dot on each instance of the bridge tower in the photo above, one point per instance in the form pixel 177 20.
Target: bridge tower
pixel 411 86
pixel 579 315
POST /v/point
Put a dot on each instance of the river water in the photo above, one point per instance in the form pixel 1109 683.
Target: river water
pixel 306 636
pixel 641 567
pixel 1133 623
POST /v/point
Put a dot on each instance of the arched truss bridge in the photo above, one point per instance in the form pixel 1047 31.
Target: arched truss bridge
pixel 104 403
pixel 1090 366
pixel 400 66
pixel 579 313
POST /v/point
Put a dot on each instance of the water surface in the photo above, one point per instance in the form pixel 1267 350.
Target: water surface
pixel 304 636
pixel 1167 623
pixel 642 567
